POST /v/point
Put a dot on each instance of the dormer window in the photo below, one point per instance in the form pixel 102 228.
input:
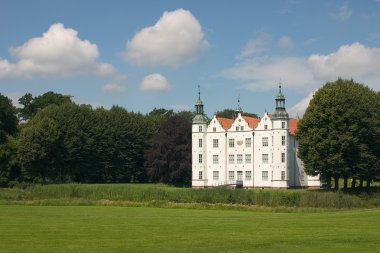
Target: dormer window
pixel 265 127
pixel 214 129
pixel 237 129
pixel 241 128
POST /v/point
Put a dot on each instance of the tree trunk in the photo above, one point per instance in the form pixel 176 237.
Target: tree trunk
pixel 336 183
pixel 361 183
pixel 353 183
pixel 345 182
pixel 368 185
pixel 328 182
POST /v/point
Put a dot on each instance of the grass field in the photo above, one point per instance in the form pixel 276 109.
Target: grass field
pixel 139 229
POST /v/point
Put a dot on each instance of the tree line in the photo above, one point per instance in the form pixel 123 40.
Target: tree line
pixel 50 139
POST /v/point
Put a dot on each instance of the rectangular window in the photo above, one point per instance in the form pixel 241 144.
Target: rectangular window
pixel 265 127
pixel 231 143
pixel 200 175
pixel 248 158
pixel 231 159
pixel 283 140
pixel 264 175
pixel 239 158
pixel 248 142
pixel 240 175
pixel 237 129
pixel 215 175
pixel 200 129
pixel 265 141
pixel 215 159
pixel 200 143
pixel 248 175
pixel 282 157
pixel 241 128
pixel 214 129
pixel 200 158
pixel 282 175
pixel 265 158
pixel 283 124
pixel 231 175
pixel 215 143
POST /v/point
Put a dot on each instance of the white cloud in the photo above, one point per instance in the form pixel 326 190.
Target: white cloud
pixel 300 108
pixel 263 73
pixel 114 87
pixel 285 42
pixel 59 51
pixel 342 14
pixel 349 61
pixel 256 45
pixel 155 82
pixel 176 38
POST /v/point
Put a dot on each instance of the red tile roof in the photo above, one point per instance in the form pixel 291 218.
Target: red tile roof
pixel 226 123
pixel 252 122
pixel 293 123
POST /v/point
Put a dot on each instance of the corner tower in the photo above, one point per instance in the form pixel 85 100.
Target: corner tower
pixel 280 135
pixel 199 133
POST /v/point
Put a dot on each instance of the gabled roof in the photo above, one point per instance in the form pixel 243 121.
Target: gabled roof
pixel 252 122
pixel 226 123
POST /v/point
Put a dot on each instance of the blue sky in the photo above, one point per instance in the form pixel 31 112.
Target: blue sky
pixel 146 54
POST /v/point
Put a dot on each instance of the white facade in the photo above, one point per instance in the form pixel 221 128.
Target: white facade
pixel 252 152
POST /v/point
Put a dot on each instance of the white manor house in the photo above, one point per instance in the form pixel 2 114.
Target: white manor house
pixel 247 152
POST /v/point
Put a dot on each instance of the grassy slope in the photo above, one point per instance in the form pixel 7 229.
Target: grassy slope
pixel 138 229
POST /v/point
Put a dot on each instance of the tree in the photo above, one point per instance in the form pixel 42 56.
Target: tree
pixel 337 135
pixel 169 158
pixel 8 129
pixel 230 114
pixel 32 104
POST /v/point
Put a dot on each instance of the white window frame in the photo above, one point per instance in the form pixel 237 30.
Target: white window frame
pixel 248 158
pixel 231 159
pixel 231 175
pixel 200 175
pixel 200 143
pixel 264 175
pixel 200 129
pixel 215 175
pixel 215 159
pixel 283 175
pixel 215 143
pixel 239 158
pixel 200 158
pixel 283 140
pixel 248 175
pixel 265 141
pixel 283 157
pixel 265 158
pixel 231 143
pixel 248 142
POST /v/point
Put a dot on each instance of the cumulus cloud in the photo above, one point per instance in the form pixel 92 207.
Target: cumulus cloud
pixel 175 39
pixel 342 14
pixel 300 108
pixel 256 45
pixel 155 82
pixel 349 61
pixel 263 73
pixel 285 42
pixel 59 51
pixel 114 87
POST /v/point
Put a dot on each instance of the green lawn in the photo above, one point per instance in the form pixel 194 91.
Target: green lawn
pixel 140 229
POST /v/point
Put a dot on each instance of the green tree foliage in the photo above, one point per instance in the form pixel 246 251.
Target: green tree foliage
pixel 230 114
pixel 339 133
pixel 169 158
pixel 72 143
pixel 31 105
pixel 8 129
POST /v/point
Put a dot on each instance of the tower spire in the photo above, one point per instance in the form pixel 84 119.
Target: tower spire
pixel 199 118
pixel 280 104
